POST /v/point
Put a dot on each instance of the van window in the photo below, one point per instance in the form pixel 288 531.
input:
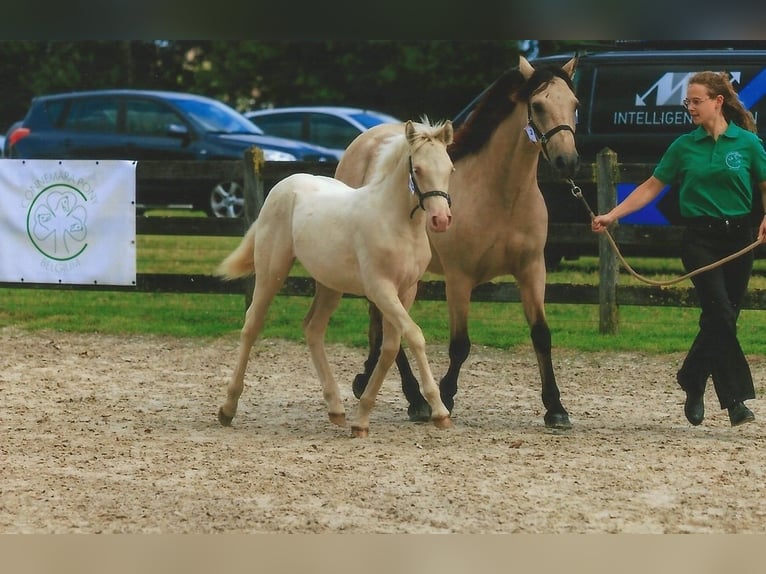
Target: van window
pixel 646 99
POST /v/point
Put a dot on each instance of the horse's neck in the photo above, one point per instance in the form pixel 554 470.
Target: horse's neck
pixel 509 159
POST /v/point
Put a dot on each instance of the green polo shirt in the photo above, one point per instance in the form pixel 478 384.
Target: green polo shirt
pixel 715 177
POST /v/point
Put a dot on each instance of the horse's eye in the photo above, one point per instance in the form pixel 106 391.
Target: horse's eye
pixel 538 108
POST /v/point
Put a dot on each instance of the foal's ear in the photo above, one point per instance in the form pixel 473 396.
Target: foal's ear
pixel 570 66
pixel 409 131
pixel 447 132
pixel 525 68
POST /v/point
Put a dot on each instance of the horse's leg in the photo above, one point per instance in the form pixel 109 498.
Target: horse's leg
pixel 532 292
pixel 458 290
pixel 374 337
pixel 417 407
pixel 324 304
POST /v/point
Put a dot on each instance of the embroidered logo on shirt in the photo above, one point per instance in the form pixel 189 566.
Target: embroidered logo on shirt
pixel 734 160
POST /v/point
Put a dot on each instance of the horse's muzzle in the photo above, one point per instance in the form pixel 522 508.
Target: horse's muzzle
pixel 566 165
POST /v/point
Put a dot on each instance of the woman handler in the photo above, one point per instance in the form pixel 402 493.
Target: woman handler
pixel 714 166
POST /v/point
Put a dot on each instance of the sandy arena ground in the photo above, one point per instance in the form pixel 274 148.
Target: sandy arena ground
pixel 119 435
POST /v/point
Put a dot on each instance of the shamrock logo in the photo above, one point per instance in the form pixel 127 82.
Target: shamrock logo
pixel 56 222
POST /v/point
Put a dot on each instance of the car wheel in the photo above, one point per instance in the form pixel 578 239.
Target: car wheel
pixel 227 199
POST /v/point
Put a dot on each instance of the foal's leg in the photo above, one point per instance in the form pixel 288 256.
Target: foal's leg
pixel 390 338
pixel 532 292
pixel 324 304
pixel 272 272
pixel 458 300
pixel 397 323
pixel 417 409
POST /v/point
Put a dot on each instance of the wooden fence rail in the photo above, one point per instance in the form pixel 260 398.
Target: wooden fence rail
pixel 258 176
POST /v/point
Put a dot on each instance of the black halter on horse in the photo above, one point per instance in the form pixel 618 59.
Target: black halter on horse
pixel 544 137
pixel 422 196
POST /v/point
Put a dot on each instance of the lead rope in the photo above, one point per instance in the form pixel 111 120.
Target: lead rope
pixel 577 192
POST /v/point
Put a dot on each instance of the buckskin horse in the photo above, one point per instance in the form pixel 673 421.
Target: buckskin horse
pixel 500 218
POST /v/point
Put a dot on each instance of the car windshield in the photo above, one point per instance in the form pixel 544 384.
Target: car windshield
pixel 217 117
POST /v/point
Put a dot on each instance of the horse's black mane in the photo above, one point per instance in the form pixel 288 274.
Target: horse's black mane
pixel 496 104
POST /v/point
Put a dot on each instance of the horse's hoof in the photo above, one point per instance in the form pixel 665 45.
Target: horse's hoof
pixel 224 419
pixel 359 432
pixel 359 384
pixel 419 413
pixel 338 419
pixel 558 421
pixel 442 422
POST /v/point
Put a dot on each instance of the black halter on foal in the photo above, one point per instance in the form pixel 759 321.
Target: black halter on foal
pixel 545 137
pixel 421 196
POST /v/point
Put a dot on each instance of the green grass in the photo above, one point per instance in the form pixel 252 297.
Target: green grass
pixel 501 325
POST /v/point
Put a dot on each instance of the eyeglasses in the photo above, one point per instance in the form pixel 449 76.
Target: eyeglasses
pixel 693 102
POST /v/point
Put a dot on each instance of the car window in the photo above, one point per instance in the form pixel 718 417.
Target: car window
pixel 53 110
pixel 287 125
pixel 329 131
pixel 92 115
pixel 147 117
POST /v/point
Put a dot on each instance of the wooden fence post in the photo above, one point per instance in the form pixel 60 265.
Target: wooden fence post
pixel 254 196
pixel 606 181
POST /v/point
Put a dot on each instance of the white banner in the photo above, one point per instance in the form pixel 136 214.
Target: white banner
pixel 68 221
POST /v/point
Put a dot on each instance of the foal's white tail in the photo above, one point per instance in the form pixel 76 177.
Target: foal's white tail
pixel 241 261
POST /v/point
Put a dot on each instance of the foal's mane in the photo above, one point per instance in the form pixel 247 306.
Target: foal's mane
pixel 393 149
pixel 498 102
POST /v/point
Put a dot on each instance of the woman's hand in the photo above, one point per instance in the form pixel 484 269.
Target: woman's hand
pixel 762 230
pixel 601 222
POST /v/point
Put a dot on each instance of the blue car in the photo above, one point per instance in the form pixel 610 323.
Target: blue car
pixel 332 127
pixel 152 125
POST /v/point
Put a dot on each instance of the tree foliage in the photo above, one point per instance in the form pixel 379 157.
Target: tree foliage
pixel 404 78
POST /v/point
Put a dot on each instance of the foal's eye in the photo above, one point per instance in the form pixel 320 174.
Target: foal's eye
pixel 538 108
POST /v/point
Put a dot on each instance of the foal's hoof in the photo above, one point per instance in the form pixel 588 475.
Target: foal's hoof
pixel 338 419
pixel 223 418
pixel 442 422
pixel 359 432
pixel 557 421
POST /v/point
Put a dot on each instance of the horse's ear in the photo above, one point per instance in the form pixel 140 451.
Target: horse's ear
pixel 570 66
pixel 409 131
pixel 525 68
pixel 447 132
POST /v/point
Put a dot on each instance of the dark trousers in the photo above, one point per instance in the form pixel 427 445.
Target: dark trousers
pixel 716 350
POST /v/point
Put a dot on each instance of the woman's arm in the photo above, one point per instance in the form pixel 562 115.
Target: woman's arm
pixel 637 199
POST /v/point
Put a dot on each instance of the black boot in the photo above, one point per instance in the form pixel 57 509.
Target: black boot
pixel 694 407
pixel 739 414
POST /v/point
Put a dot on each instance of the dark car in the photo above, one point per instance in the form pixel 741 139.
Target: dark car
pixel 152 125
pixel 631 102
